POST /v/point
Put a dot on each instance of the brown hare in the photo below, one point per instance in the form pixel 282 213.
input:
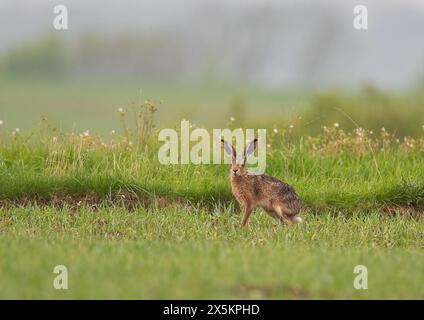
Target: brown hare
pixel 275 197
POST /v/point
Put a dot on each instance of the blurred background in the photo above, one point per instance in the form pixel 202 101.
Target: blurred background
pixel 263 62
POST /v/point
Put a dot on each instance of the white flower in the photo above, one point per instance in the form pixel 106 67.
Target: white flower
pixel 359 132
pixel 112 132
pixel 275 130
pixel 1 123
pixel 17 130
pixel 121 111
pixel 232 119
pixel 86 133
pixel 291 126
pixel 54 139
pixel 336 125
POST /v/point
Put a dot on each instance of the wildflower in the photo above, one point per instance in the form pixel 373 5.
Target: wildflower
pixel 130 143
pixel 291 126
pixel 336 125
pixel 112 132
pixel 15 132
pixel 275 130
pixel 54 139
pixel 232 119
pixel 1 123
pixel 121 111
pixel 268 145
pixel 86 133
pixel 360 132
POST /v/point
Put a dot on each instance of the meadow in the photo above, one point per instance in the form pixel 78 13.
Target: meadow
pixel 99 202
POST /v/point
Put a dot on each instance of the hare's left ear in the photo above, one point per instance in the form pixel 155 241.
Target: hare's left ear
pixel 250 148
pixel 230 150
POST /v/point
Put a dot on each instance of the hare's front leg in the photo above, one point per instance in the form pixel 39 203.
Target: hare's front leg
pixel 247 210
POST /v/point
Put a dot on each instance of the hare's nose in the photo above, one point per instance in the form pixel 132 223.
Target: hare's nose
pixel 235 170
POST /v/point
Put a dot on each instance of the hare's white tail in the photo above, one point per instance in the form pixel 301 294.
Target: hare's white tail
pixel 296 219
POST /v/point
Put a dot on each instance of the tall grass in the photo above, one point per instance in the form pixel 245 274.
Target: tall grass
pixel 334 168
pixel 370 108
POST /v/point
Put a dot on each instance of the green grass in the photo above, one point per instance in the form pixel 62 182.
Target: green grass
pixel 171 253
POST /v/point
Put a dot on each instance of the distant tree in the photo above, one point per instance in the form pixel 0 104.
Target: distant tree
pixel 44 58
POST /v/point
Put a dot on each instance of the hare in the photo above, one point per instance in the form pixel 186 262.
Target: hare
pixel 276 198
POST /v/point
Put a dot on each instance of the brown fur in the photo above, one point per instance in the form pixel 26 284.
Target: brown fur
pixel 276 198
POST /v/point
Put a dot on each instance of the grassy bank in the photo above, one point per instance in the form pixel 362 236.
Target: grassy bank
pixel 332 170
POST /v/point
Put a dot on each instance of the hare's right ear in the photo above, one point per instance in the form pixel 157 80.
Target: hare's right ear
pixel 230 150
pixel 249 150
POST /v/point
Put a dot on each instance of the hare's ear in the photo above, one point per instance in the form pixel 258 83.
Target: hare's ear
pixel 229 149
pixel 250 148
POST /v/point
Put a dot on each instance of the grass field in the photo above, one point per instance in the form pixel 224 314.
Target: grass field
pixel 128 227
pixel 173 253
pixel 93 104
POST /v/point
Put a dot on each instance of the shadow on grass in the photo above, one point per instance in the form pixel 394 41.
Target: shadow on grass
pixel 405 198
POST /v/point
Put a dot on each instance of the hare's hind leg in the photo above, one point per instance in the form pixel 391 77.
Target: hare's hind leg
pixel 285 218
pixel 271 212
